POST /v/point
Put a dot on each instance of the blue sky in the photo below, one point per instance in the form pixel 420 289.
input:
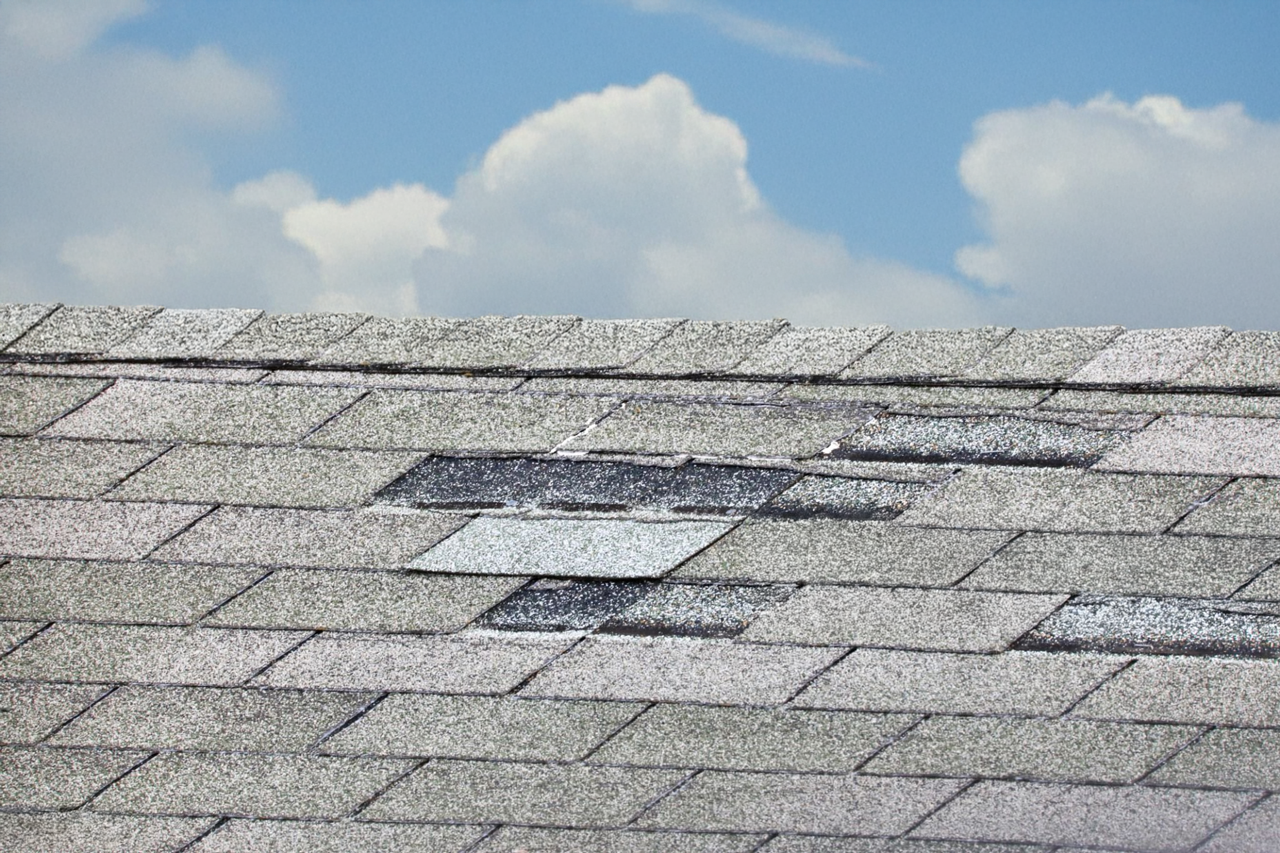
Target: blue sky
pixel 855 117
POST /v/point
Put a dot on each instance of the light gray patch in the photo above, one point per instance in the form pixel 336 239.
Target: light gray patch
pixel 29 403
pixel 1245 507
pixel 695 610
pixel 38 778
pixel 1150 355
pixel 89 530
pixel 13 633
pixel 705 346
pixel 185 333
pixel 1242 360
pixel 839 497
pixel 1226 758
pixel 602 344
pixel 1043 355
pixel 288 337
pixel 522 839
pixel 86 832
pixel 920 353
pixel 32 468
pixel 1254 832
pixel 382 340
pixel 29 712
pixel 805 351
pixel 1208 690
pixel 82 330
pixel 1194 444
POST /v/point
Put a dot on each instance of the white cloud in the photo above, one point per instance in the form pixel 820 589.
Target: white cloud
pixel 55 29
pixel 1151 213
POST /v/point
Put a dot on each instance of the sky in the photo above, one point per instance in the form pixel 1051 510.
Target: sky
pixel 923 164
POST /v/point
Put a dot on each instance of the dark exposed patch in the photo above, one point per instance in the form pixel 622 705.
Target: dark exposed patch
pixel 552 605
pixel 694 610
pixel 993 440
pixel 840 497
pixel 1170 626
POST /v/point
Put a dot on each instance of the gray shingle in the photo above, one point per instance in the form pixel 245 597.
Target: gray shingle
pixel 13 633
pixel 1142 356
pixel 493 792
pixel 266 476
pixel 143 370
pixel 804 351
pixel 28 403
pixel 1032 683
pixel 497 342
pixel 847 498
pixel 116 592
pixel 1194 444
pixel 1139 565
pixel 292 337
pixel 676 669
pixel 1254 832
pixel 257 785
pixel 382 340
pixel 211 718
pixel 513 839
pixel 37 778
pixel 281 836
pixel 86 832
pixel 1042 355
pixel 695 610
pixel 1162 403
pixel 570 547
pixel 1064 500
pixel 320 538
pixel 97 653
pixel 185 333
pixel 721 429
pixel 1265 588
pixel 30 712
pixel 204 412
pixel 933 619
pixel 800 803
pixel 603 344
pixel 82 330
pixel 1226 758
pixel 89 529
pixel 916 397
pixel 1044 750
pixel 375 601
pixel 927 352
pixel 402 381
pixel 836 551
pixel 457 421
pixel 482 727
pixel 16 319
pixel 818 844
pixel 705 346
pixel 751 739
pixel 1243 508
pixel 551 604
pixel 32 468
pixel 1190 690
pixel 1243 359
pixel 466 663
pixel 1131 818
pixel 614 386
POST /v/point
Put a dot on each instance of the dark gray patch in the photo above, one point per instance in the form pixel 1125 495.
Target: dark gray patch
pixel 841 497
pixel 990 440
pixel 1170 626
pixel 695 610
pixel 554 605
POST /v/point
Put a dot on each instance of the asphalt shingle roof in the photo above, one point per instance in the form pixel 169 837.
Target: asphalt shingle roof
pixel 334 583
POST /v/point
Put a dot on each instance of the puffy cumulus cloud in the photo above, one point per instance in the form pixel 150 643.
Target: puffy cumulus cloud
pixel 55 29
pixel 634 201
pixel 1151 213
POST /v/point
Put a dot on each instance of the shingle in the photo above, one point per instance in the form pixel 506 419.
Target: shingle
pixel 1138 565
pixel 1143 356
pixel 834 551
pixel 934 619
pixel 457 421
pixel 326 539
pixel 204 412
pixel 1031 683
pixel 376 601
pixel 602 344
pixel 896 472
pixel 288 337
pixel 404 381
pixel 1243 508
pixel 89 529
pixel 847 498
pixel 257 785
pixel 497 342
pixel 28 403
pixel 37 778
pixel 1226 758
pixel 1190 690
pixel 1044 750
pixel 721 429
pixel 185 333
pixel 695 610
pixel 1132 818
pixel 677 669
pixel 16 319
pixel 116 592
pixel 1254 832
pixel 916 396
pixel 280 836
pixel 82 330
pixel 1242 360
pixel 382 340
pixel 211 718
pixel 266 476
pixel 1162 403
pixel 617 386
pixel 142 370
pixel 492 792
pixel 751 739
pixel 519 839
pixel 466 663
pixel 482 727
pixel 819 844
pixel 805 351
pixel 14 633
pixel 1265 588
pixel 761 802
pixel 705 346
pixel 1042 355
pixel 927 352
pixel 97 653
pixel 1064 500
pixel 570 547
pixel 552 604
pixel 86 832
pixel 1194 444
pixel 67 469
pixel 30 712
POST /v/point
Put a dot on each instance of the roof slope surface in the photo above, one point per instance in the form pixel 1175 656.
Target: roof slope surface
pixel 330 582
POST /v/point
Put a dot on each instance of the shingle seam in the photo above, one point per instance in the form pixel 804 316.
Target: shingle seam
pixel 212 508
pixel 1202 501
pixel 129 770
pixel 65 723
pixel 400 777
pixel 311 635
pixel 221 604
pixel 217 824
pixel 653 802
pixel 644 708
pixel 1066 713
pixel 489 832
pixel 50 310
pixel 939 807
pixel 350 720
pixel 1204 843
pixel 27 639
pixel 1173 753
pixel 891 741
pixel 987 559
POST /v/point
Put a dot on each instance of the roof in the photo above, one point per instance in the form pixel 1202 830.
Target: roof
pixel 331 582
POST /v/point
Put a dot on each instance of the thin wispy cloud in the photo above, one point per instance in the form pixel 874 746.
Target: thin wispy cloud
pixel 777 39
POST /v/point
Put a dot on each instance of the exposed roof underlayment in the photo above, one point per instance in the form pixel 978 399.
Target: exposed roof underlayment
pixel 337 583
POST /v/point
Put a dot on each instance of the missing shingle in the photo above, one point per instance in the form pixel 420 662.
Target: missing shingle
pixel 557 605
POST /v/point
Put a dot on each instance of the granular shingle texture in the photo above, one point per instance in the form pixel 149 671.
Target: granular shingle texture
pixel 330 582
